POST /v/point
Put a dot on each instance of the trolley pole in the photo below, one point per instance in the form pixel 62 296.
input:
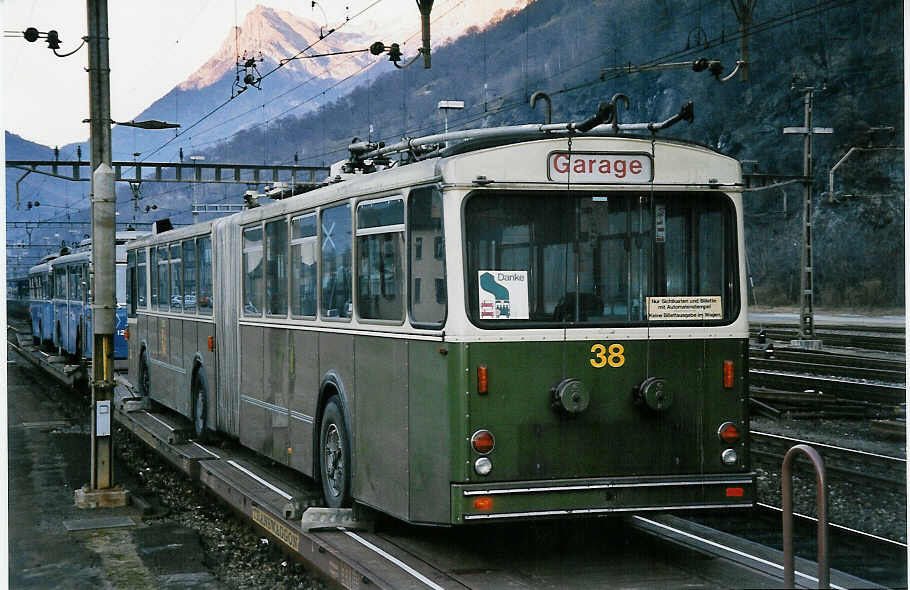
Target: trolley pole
pixel 806 287
pixel 100 492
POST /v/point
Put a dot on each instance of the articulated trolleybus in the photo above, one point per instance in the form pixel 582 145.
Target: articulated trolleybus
pixel 535 321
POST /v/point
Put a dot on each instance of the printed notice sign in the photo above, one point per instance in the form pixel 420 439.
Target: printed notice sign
pixel 685 308
pixel 503 294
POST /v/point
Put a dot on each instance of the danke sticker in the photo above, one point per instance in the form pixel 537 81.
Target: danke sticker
pixel 503 294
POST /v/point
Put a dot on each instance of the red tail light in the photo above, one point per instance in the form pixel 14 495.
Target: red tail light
pixel 484 503
pixel 211 344
pixel 483 441
pixel 728 374
pixel 735 492
pixel 126 334
pixel 482 379
pixel 728 433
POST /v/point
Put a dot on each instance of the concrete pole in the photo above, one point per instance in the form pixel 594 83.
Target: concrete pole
pixel 103 282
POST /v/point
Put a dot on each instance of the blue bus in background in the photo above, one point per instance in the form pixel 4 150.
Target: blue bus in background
pixel 41 301
pixel 70 302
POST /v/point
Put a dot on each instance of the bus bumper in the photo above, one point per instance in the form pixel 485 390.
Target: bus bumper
pixel 594 496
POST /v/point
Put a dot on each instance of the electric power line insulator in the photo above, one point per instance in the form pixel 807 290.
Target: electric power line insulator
pixel 30 34
pixel 53 40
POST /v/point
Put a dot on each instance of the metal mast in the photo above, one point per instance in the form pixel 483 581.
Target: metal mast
pixel 806 285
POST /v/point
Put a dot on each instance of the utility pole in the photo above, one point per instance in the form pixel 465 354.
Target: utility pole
pixel 806 287
pixel 100 491
pixel 743 10
pixel 197 178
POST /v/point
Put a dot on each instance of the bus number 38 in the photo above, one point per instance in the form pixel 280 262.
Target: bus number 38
pixel 607 355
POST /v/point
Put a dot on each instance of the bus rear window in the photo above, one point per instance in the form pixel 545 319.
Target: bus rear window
pixel 592 259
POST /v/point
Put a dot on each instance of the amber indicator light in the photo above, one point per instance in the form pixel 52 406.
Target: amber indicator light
pixel 482 379
pixel 735 492
pixel 211 344
pixel 126 334
pixel 728 374
pixel 484 503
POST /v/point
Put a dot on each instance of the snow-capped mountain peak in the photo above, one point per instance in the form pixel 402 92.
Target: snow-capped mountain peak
pixel 274 35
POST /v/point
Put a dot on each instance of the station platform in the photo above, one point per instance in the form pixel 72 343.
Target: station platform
pixel 54 544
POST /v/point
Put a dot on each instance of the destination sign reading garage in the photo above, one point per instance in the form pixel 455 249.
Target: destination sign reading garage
pixel 599 167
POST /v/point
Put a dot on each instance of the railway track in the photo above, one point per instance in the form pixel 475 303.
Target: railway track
pixel 871 557
pixel 869 468
pixel 803 377
pixel 853 390
pixel 884 338
pixel 832 365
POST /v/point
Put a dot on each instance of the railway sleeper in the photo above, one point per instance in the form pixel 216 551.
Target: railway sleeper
pixel 885 480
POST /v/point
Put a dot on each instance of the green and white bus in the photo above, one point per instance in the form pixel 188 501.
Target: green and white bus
pixel 532 322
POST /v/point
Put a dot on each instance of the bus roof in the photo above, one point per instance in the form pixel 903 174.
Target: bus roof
pixel 525 163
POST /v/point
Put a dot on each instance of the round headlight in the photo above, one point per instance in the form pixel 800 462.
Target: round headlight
pixel 729 457
pixel 483 466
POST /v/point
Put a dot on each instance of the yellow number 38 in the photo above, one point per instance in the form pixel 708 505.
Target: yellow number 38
pixel 603 356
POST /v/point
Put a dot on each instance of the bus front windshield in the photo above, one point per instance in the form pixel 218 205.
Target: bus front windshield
pixel 600 259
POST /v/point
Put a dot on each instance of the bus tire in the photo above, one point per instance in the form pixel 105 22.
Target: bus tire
pixel 200 403
pixel 334 456
pixel 145 381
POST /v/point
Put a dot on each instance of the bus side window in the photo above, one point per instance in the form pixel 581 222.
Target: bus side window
pixel 204 251
pixel 141 278
pixel 380 241
pixel 189 276
pixel 163 279
pixel 276 271
pixel 60 282
pixel 74 273
pixel 425 226
pixel 252 271
pixel 336 262
pixel 131 283
pixel 153 268
pixel 176 266
pixel 303 266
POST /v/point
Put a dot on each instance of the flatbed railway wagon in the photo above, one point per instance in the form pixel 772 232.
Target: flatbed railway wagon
pixel 18 295
pixel 533 322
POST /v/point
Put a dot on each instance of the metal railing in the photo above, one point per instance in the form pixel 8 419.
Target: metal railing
pixel 824 570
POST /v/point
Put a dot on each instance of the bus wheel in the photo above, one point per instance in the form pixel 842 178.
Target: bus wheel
pixel 145 381
pixel 200 406
pixel 334 456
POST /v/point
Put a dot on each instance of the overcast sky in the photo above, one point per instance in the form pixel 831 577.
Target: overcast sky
pixel 156 45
